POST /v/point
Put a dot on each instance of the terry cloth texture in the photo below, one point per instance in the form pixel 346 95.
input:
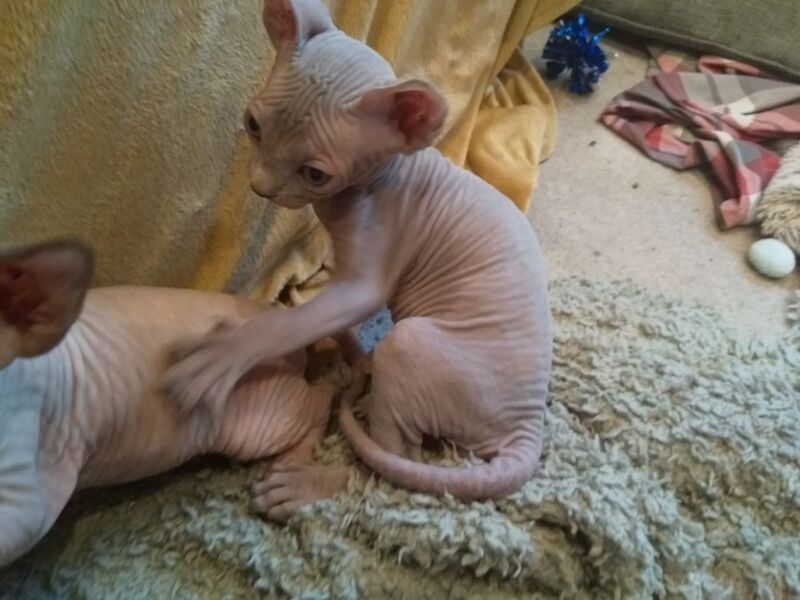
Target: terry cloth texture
pixel 120 123
pixel 779 209
pixel 671 470
pixel 502 119
pixel 714 113
pixel 761 32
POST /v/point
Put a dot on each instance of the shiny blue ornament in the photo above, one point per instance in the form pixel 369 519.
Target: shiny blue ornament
pixel 572 48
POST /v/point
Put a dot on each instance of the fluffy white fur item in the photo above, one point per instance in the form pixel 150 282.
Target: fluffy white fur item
pixel 779 209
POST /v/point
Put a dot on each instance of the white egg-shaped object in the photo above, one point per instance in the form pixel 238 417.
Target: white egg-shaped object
pixel 772 258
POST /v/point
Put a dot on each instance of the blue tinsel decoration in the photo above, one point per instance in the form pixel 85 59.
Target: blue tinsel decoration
pixel 572 48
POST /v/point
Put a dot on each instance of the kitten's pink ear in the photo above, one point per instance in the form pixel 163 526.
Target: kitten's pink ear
pixel 291 23
pixel 414 110
pixel 42 289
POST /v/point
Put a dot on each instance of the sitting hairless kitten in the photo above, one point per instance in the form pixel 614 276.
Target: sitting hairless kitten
pixel 78 397
pixel 469 357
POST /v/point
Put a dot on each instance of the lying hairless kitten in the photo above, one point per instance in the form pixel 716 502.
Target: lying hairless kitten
pixel 469 357
pixel 78 402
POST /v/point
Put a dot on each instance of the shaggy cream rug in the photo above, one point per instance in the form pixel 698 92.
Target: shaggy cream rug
pixel 671 470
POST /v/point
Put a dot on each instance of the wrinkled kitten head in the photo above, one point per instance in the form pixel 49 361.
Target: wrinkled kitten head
pixel 332 113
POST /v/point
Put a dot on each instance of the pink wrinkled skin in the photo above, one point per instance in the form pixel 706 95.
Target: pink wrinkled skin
pixel 470 355
pixel 78 402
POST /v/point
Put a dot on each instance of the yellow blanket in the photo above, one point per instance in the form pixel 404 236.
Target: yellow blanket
pixel 119 124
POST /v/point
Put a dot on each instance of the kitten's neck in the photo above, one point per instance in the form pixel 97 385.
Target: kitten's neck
pixel 379 176
pixel 334 208
pixel 420 176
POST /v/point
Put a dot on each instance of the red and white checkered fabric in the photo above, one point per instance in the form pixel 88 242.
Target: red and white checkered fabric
pixel 715 113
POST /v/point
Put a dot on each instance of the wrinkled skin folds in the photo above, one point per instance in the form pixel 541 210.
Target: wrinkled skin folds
pixel 460 268
pixel 79 405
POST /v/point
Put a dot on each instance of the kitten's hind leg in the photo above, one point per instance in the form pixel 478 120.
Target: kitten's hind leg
pixel 290 487
pixel 293 482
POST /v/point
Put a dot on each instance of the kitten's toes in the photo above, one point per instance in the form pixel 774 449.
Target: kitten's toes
pixel 283 492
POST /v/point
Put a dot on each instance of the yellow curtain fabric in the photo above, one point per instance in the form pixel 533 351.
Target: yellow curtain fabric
pixel 120 124
pixel 502 119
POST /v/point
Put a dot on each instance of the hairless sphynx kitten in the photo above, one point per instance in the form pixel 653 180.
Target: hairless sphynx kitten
pixel 469 358
pixel 78 380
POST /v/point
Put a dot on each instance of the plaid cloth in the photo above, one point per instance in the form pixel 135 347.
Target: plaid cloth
pixel 714 113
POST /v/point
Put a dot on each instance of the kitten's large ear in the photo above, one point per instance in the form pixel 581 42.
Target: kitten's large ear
pixel 291 23
pixel 42 289
pixel 413 112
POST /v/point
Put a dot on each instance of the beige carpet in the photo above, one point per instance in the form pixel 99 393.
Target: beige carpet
pixel 603 209
pixel 670 470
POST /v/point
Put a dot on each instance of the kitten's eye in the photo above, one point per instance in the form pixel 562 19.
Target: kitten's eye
pixel 251 125
pixel 314 176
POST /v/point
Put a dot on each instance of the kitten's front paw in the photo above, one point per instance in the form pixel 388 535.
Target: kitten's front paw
pixel 206 370
pixel 289 488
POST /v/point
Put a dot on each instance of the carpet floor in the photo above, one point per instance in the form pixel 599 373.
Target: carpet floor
pixel 670 470
pixel 604 210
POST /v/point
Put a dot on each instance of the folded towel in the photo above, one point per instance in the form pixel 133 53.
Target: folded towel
pixel 120 124
pixel 721 117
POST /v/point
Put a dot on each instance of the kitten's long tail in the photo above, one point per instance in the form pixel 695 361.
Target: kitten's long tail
pixel 507 472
